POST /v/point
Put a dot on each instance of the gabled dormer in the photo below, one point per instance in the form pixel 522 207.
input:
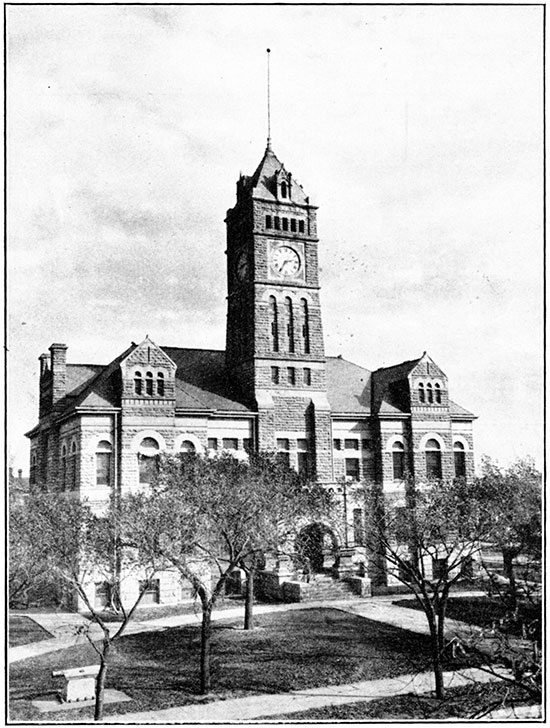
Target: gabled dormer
pixel 148 375
pixel 428 384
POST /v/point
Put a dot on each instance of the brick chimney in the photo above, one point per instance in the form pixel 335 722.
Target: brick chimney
pixel 59 371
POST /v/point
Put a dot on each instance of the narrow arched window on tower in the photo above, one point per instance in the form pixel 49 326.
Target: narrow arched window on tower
pixel 421 393
pixel 290 324
pixel 283 189
pixel 437 393
pixel 305 325
pixel 430 393
pixel 149 383
pixel 460 459
pixel 274 321
pixel 138 383
pixel 433 459
pixel 160 384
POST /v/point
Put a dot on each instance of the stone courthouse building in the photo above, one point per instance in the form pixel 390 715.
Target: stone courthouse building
pixel 273 388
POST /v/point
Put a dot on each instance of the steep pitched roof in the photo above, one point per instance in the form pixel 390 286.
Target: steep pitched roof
pixel 202 384
pixel 202 381
pixel 262 183
pixel 101 391
pixel 455 410
pixel 348 387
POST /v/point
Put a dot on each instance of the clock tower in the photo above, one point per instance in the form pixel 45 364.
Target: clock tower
pixel 274 347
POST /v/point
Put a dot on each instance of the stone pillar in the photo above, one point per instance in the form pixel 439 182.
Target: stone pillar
pixel 345 566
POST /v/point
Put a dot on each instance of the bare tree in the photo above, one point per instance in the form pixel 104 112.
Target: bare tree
pixel 428 540
pixel 514 496
pixel 208 516
pixel 82 548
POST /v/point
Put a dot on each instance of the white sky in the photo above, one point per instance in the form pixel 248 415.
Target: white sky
pixel 417 131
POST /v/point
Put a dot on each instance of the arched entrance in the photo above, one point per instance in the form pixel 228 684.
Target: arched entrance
pixel 318 544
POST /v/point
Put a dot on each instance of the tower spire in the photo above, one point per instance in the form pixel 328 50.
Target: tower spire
pixel 268 148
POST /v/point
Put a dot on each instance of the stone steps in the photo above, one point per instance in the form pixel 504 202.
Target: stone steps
pixel 326 588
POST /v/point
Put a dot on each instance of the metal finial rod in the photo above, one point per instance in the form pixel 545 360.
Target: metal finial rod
pixel 268 103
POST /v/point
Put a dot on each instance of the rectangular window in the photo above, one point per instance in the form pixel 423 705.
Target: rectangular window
pixel 460 464
pixel 151 591
pixel 102 596
pixel 352 468
pixel 277 223
pixel 292 225
pixel 303 457
pixel 398 465
pixel 230 443
pixel 283 447
pixel 103 468
pixel 366 444
pixel 275 375
pixel 212 443
pixel 247 444
pixel 433 465
pixel 307 377
pixel 439 568
pixel 285 223
pixel 351 444
pixel 291 375
pixel 148 469
pixel 337 444
pixel 268 221
pixel 404 570
pixel 301 226
pixel 358 527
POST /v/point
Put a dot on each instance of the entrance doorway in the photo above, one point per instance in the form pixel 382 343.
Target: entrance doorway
pixel 317 543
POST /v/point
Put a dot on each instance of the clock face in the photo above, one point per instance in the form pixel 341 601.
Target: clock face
pixel 285 261
pixel 242 266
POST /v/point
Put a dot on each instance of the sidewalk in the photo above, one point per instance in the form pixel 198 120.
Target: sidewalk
pixel 265 706
pixel 63 625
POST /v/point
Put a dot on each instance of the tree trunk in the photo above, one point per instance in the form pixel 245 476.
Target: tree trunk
pixel 100 680
pixel 509 572
pixel 436 655
pixel 206 632
pixel 249 600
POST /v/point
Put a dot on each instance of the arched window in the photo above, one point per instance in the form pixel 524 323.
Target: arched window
pixel 149 383
pixel 433 459
pixel 290 324
pixel 160 384
pixel 305 325
pixel 460 460
pixel 103 463
pixel 398 458
pixel 138 383
pixel 274 321
pixel 421 393
pixel 148 460
pixel 64 466
pixel 430 393
pixel 188 447
pixel 283 189
pixel 437 393
pixel 73 465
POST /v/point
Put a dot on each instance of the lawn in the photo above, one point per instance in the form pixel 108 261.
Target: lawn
pixel 462 702
pixel 481 610
pixel 288 651
pixel 24 630
pixel 146 614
